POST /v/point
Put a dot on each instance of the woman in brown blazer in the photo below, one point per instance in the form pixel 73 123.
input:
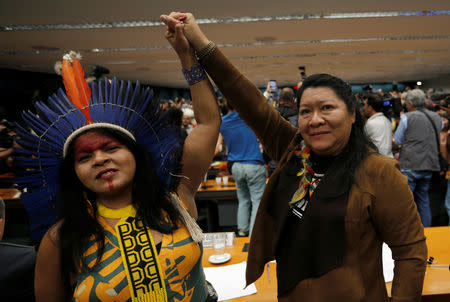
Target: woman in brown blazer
pixel 332 201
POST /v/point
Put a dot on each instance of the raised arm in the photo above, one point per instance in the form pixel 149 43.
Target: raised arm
pixel 274 132
pixel 200 144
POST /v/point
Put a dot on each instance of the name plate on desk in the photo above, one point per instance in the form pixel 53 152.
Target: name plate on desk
pixel 208 238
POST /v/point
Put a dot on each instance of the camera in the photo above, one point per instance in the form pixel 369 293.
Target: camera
pixel 302 72
pixel 392 106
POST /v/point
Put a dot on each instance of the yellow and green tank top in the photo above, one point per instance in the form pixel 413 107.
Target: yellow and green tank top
pixel 180 259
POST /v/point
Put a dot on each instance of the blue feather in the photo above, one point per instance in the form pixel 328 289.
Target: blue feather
pixel 121 103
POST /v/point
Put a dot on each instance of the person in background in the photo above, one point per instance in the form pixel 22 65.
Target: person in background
pixel 419 150
pixel 328 207
pixel 7 135
pixel 165 105
pixel 378 127
pixel 17 267
pixel 188 120
pixel 443 135
pixel 288 110
pixel 175 117
pixel 286 106
pixel 126 230
pixel 246 164
pixel 7 145
pixel 445 147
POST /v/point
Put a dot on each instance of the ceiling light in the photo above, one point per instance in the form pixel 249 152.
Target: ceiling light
pixel 419 83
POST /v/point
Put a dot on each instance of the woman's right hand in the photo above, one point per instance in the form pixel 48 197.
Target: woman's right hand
pixel 177 39
pixel 192 31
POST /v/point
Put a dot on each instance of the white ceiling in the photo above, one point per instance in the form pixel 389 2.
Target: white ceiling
pixel 357 47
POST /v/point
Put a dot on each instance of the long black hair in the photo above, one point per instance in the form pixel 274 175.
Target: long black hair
pixel 359 144
pixel 149 194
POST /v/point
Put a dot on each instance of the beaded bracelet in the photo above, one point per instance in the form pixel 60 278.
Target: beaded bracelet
pixel 194 75
pixel 205 51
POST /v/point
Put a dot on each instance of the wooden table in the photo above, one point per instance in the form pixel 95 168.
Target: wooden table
pixel 267 290
pixel 437 279
pixel 9 194
pixel 436 286
pixel 8 175
pixel 11 197
pixel 211 191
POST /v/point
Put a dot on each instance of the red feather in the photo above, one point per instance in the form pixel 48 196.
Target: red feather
pixel 76 86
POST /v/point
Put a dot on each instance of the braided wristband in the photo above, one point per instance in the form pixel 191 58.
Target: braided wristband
pixel 194 75
pixel 205 51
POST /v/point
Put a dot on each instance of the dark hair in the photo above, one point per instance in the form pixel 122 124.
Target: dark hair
pixel 78 226
pixel 223 109
pixel 375 101
pixel 287 94
pixel 230 107
pixel 175 116
pixel 359 144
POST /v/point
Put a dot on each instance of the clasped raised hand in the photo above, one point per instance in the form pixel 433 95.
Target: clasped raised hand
pixel 189 26
pixel 175 35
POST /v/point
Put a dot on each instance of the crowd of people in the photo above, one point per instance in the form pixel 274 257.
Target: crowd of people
pixel 105 178
pixel 413 127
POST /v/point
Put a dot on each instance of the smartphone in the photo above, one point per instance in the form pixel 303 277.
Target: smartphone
pixel 273 85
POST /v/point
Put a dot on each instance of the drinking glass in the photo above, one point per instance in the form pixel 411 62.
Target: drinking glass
pixel 219 243
pixel 225 180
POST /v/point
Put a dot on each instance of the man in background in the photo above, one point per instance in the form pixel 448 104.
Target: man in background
pixel 378 127
pixel 286 106
pixel 247 168
pixel 288 110
pixel 419 149
pixel 188 120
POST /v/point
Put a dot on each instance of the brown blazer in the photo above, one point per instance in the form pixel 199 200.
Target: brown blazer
pixel 380 208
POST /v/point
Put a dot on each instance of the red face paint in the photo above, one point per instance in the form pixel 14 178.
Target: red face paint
pixel 110 185
pixel 91 142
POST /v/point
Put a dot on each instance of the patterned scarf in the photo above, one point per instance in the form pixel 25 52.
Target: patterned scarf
pixel 139 255
pixel 309 180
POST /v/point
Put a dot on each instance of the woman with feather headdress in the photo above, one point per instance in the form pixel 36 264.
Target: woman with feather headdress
pixel 110 189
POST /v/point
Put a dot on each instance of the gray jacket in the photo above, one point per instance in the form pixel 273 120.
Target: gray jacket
pixel 419 150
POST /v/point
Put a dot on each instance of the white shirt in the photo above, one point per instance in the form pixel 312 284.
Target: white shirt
pixel 379 130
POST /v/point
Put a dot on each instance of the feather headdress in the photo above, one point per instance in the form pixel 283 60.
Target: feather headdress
pixel 115 104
